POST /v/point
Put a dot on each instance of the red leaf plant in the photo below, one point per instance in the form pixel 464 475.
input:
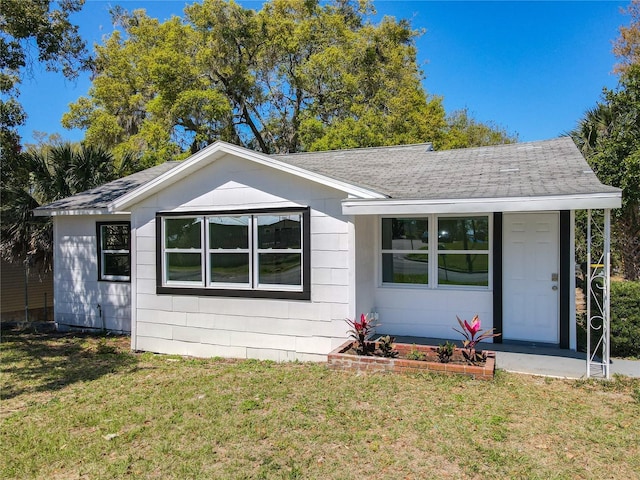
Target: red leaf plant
pixel 469 332
pixel 361 331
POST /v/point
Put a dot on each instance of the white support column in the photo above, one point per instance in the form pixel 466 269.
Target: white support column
pixel 607 292
pixel 598 288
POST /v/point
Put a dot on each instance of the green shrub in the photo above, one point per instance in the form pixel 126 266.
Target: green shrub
pixel 415 354
pixel 625 319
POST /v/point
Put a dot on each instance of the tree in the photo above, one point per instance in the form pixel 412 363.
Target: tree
pixel 41 176
pixel 25 25
pixel 627 45
pixel 609 137
pixel 297 75
pixel 465 131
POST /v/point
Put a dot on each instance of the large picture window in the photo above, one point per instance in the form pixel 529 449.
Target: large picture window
pixel 114 251
pixel 436 251
pixel 260 253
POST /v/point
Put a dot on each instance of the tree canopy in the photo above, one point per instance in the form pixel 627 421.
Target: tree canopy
pixel 609 137
pixel 26 26
pixel 627 46
pixel 297 75
pixel 40 176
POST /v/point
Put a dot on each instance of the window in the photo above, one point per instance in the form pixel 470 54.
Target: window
pixel 183 250
pixel 411 246
pixel 405 250
pixel 263 253
pixel 229 253
pixel 114 251
pixel 463 251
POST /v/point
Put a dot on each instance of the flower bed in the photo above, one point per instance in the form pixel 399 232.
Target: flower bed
pixel 345 358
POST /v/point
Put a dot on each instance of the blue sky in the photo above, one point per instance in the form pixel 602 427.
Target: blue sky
pixel 530 67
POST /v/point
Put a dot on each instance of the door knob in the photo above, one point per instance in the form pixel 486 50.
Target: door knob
pixel 555 287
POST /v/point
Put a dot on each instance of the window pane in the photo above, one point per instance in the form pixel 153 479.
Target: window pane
pixel 280 268
pixel 183 232
pixel 184 267
pixel 405 233
pixel 116 264
pixel 405 268
pixel 115 237
pixel 463 233
pixel 279 231
pixel 229 267
pixel 463 269
pixel 228 232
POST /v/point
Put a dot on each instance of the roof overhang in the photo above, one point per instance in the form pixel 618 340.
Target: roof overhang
pixel 82 211
pixel 481 205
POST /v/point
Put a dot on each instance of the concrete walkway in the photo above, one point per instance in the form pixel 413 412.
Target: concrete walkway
pixel 541 360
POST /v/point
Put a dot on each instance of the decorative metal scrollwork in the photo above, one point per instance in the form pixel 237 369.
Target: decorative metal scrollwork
pixel 598 288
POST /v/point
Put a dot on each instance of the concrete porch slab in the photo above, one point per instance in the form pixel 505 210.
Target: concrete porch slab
pixel 534 359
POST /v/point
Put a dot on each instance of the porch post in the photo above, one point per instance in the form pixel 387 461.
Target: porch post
pixel 607 290
pixel 588 283
pixel 598 295
pixel 497 275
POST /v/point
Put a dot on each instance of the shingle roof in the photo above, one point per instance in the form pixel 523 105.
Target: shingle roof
pixel 550 167
pixel 414 172
pixel 100 197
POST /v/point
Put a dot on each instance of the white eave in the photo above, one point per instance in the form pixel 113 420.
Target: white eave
pixel 218 150
pixel 81 211
pixel 481 205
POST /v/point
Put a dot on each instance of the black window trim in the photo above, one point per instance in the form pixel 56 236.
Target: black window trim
pixel 304 294
pixel 99 226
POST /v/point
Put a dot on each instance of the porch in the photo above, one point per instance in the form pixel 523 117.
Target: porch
pixel 539 359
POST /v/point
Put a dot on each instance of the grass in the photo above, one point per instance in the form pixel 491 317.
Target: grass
pixel 85 407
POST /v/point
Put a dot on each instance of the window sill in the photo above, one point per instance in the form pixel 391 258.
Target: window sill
pixel 115 280
pixel 459 288
pixel 236 293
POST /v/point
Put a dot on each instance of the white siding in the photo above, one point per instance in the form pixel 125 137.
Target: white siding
pixel 411 311
pixel 430 312
pixel 77 291
pixel 246 327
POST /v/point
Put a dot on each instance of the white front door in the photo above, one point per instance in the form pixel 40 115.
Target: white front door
pixel 530 268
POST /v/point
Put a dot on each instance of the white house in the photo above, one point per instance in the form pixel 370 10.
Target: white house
pixel 240 254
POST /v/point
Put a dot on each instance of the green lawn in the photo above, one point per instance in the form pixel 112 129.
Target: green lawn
pixel 84 407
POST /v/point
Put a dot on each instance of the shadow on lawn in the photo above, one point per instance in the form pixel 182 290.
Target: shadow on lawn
pixel 48 362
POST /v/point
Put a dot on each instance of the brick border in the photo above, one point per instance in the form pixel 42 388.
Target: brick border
pixel 339 360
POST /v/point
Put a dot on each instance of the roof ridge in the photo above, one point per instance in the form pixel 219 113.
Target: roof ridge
pixel 357 149
pixel 506 145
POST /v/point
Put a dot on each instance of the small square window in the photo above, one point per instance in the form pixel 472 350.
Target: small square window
pixel 114 254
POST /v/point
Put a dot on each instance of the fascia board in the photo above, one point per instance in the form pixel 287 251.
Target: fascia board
pixel 216 151
pixel 188 166
pixel 482 205
pixel 86 211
